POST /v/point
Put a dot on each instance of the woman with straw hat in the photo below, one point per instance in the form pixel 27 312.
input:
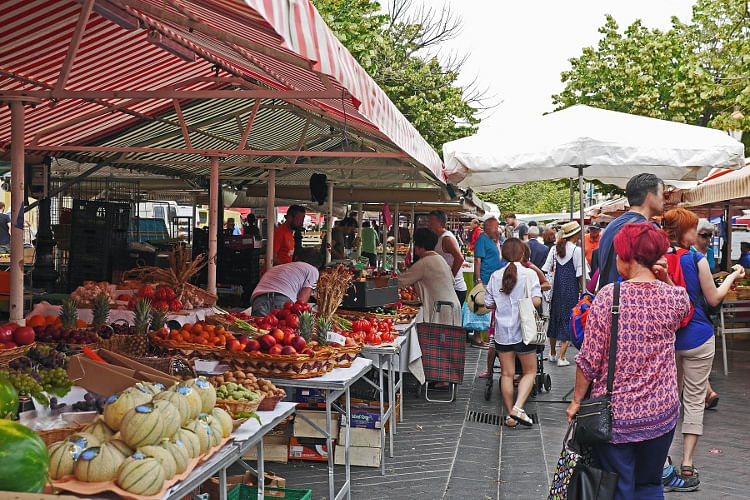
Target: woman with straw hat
pixel 564 264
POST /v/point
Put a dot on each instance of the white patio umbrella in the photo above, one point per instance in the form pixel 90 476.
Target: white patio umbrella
pixel 608 146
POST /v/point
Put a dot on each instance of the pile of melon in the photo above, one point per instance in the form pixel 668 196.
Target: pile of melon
pixel 145 437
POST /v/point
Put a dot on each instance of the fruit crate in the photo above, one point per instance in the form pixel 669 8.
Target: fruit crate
pixel 245 492
pixel 372 293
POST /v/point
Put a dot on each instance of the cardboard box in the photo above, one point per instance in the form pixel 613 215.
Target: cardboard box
pixel 366 414
pixel 303 429
pixel 308 449
pixel 211 487
pixel 116 375
pixel 361 456
pixel 275 449
pixel 358 436
pixel 312 398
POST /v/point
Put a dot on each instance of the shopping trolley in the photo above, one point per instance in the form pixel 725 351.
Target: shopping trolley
pixel 443 352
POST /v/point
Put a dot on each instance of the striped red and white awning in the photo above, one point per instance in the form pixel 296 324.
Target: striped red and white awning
pixel 183 45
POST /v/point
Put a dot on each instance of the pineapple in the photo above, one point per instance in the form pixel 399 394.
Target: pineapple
pixel 158 318
pixel 142 315
pixel 324 326
pixel 306 325
pixel 69 313
pixel 100 310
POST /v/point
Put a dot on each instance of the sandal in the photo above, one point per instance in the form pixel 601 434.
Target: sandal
pixel 521 417
pixel 508 418
pixel 712 400
pixel 688 471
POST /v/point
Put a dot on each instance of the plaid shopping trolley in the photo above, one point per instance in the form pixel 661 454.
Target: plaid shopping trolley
pixel 443 352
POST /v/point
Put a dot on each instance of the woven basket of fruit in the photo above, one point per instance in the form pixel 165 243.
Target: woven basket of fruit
pixel 237 400
pixel 235 408
pixel 247 380
pixel 8 355
pixel 176 366
pixel 343 357
pixel 157 338
pixel 283 365
pixel 50 436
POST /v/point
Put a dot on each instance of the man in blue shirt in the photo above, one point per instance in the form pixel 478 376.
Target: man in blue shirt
pixel 539 251
pixel 645 193
pixel 487 260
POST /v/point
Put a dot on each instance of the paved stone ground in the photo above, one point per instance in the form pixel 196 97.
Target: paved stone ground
pixel 440 454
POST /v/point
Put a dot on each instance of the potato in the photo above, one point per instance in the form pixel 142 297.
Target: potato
pixel 219 380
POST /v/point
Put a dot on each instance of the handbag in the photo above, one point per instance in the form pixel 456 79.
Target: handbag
pixel 532 325
pixel 547 295
pixel 576 479
pixel 594 417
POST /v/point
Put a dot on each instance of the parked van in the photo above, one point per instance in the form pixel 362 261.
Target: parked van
pixel 228 214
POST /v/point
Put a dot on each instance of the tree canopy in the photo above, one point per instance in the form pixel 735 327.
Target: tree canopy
pixel 397 47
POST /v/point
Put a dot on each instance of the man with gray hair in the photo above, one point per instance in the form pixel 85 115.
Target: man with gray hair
pixel 539 251
pixel 704 242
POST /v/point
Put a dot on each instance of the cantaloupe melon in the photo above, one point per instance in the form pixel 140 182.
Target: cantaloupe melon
pixel 179 453
pixel 152 388
pixel 201 429
pixel 206 391
pixel 194 400
pixel 162 455
pixel 141 475
pixel 119 404
pixel 62 458
pixel 142 425
pixel 121 446
pixel 98 464
pixel 190 440
pixel 225 420
pixel 84 440
pixel 179 401
pixel 215 429
pixel 99 429
pixel 144 388
pixel 171 417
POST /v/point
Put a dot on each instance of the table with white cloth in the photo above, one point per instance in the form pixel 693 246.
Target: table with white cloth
pixel 189 316
pixel 729 310
pixel 334 384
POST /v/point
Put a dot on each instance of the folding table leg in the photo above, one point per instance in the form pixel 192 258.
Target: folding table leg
pixel 329 445
pixel 723 342
pixel 261 472
pixel 381 389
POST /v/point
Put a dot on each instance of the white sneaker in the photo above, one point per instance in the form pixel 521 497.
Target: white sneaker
pixel 553 358
pixel 563 362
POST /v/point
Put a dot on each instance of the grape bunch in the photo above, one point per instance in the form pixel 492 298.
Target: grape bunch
pixel 121 328
pixel 54 404
pixel 42 357
pixel 56 381
pixel 25 384
pixel 91 402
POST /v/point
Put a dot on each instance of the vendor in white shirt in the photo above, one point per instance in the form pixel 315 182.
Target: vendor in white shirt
pixel 287 283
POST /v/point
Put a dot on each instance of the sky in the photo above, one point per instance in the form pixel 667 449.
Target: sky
pixel 517 49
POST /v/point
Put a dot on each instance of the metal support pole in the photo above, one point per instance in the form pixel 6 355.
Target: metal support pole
pixel 412 227
pixel 572 203
pixel 270 217
pixel 194 222
pixel 728 225
pixel 385 241
pixel 329 230
pixel 360 219
pixel 213 223
pixel 17 119
pixel 396 227
pixel 583 225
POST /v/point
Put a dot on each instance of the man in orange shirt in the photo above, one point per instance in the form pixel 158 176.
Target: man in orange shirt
pixel 592 239
pixel 283 235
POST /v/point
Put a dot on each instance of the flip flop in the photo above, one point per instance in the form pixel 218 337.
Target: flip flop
pixel 712 401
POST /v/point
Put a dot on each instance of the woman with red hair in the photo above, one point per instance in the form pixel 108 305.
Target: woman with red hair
pixel 695 341
pixel 645 402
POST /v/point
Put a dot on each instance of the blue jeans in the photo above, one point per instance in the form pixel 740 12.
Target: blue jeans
pixel 638 465
pixel 263 304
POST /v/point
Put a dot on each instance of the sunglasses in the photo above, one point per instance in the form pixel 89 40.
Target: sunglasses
pixel 705 235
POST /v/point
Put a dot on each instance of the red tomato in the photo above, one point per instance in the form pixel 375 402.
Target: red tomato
pixel 293 321
pixel 288 305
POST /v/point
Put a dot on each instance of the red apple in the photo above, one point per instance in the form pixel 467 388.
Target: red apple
pixel 287 349
pixel 6 334
pixel 12 326
pixel 288 337
pixel 234 345
pixel 10 345
pixel 23 335
pixel 267 341
pixel 243 340
pixel 278 335
pixel 298 343
pixel 277 349
pixel 309 352
pixel 253 346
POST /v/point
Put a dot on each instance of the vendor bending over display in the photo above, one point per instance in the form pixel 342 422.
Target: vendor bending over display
pixel 287 283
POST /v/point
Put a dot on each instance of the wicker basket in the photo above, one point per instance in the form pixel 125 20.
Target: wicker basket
pixel 269 403
pixel 343 357
pixel 176 366
pixel 50 436
pixel 283 365
pixel 8 355
pixel 236 407
pixel 187 348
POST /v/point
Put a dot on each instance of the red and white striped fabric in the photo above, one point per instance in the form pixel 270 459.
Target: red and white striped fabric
pixel 34 38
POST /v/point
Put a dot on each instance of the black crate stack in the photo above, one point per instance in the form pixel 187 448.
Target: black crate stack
pixel 99 232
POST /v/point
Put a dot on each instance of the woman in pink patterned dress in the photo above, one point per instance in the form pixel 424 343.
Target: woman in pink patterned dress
pixel 645 402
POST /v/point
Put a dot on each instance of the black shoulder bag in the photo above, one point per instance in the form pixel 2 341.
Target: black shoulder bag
pixel 594 417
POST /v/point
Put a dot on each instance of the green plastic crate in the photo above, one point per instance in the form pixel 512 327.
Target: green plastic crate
pixel 245 492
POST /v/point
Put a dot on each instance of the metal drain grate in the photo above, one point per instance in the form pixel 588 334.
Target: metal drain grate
pixel 482 417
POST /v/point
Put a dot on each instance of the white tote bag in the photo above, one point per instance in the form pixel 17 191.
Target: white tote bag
pixel 532 325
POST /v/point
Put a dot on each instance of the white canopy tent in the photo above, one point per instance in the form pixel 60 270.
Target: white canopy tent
pixel 608 146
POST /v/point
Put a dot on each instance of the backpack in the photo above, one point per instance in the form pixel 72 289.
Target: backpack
pixel 578 316
pixel 674 269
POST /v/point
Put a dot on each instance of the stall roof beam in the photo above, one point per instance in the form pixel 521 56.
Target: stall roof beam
pixel 220 152
pixel 344 194
pixel 172 94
